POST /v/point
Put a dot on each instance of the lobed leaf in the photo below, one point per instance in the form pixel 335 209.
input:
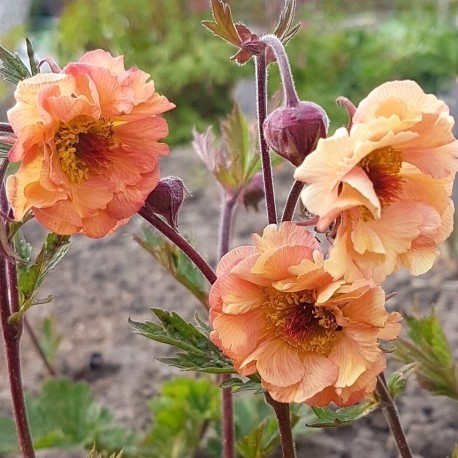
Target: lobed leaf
pixel 199 353
pixel 223 26
pixel 33 60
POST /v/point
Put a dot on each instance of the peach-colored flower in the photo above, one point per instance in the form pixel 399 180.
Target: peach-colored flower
pixel 387 182
pixel 87 139
pixel 276 311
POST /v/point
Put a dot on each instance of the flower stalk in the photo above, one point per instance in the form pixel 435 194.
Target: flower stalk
pixel 284 424
pixel 291 202
pixel 261 98
pixel 180 242
pixel 12 331
pixel 392 417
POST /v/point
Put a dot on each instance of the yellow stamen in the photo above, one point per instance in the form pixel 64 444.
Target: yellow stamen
pixel 83 145
pixel 296 319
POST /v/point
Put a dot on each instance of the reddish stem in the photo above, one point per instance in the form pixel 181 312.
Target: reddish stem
pixel 291 202
pixel 36 344
pixel 284 424
pixel 180 242
pixel 12 331
pixel 261 98
pixel 392 417
pixel 227 405
pixel 290 94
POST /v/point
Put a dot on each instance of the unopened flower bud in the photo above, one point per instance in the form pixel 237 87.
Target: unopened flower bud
pixel 166 199
pixel 293 131
pixel 254 192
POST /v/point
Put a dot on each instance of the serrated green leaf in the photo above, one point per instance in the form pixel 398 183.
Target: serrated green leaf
pixel 397 381
pixel 95 454
pixel 12 68
pixel 437 371
pixel 199 353
pixel 328 418
pixel 31 275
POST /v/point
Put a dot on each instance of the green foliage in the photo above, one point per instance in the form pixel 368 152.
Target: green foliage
pixel 49 340
pixel 64 415
pixel 31 274
pixel 94 454
pixel 397 381
pixel 12 68
pixel 198 352
pixel 183 412
pixel 8 442
pixel 436 371
pixel 164 38
pixel 336 56
pixel 175 262
pixel 328 418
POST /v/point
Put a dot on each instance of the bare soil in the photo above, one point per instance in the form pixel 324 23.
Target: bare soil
pixel 102 283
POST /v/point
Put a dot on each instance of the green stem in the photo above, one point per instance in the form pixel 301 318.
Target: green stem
pixel 392 417
pixel 284 425
pixel 261 98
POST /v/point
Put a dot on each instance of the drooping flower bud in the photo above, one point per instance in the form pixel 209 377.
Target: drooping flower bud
pixel 167 198
pixel 293 131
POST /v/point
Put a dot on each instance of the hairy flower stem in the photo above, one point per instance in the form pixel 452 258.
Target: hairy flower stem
pixel 290 94
pixel 261 98
pixel 180 242
pixel 291 202
pixel 12 331
pixel 227 405
pixel 5 127
pixel 392 417
pixel 284 424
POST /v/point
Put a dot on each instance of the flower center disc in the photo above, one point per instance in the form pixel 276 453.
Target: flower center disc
pixel 296 319
pixel 382 167
pixel 83 146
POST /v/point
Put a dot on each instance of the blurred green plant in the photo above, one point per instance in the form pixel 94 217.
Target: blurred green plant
pixel 348 56
pixel 164 38
pixel 435 369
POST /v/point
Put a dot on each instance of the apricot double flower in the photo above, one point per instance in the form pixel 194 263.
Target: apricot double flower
pixel 87 140
pixel 387 183
pixel 275 310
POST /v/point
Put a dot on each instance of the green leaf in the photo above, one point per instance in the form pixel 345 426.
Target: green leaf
pixel 199 353
pixel 397 381
pixel 183 411
pixel 49 340
pixel 328 418
pixel 33 61
pixel 12 68
pixel 175 262
pixel 95 454
pixel 64 415
pixel 437 371
pixel 4 150
pixel 31 275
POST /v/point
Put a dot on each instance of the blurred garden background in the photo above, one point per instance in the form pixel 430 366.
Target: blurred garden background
pixel 344 48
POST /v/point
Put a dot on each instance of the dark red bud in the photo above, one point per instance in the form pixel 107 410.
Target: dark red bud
pixel 253 193
pixel 166 199
pixel 293 132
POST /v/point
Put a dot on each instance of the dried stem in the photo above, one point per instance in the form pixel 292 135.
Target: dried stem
pixel 284 424
pixel 261 98
pixel 291 202
pixel 180 242
pixel 392 417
